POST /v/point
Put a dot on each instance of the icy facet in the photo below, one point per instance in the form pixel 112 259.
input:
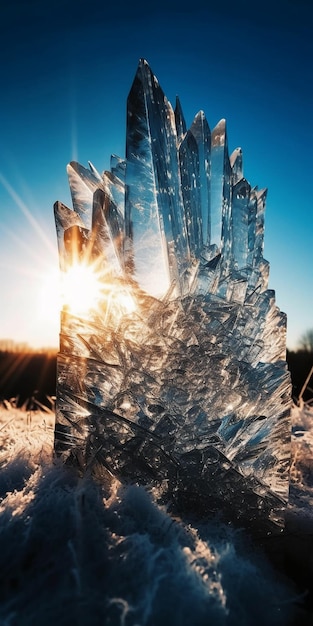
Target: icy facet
pixel 83 183
pixel 176 376
pixel 201 132
pixel 190 184
pixel 155 221
pixel 220 184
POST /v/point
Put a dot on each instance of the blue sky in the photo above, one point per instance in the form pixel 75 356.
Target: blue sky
pixel 66 70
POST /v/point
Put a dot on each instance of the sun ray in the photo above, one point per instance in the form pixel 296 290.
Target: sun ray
pixel 19 363
pixel 26 212
pixel 30 250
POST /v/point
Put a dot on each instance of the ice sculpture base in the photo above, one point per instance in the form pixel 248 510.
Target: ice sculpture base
pixel 161 399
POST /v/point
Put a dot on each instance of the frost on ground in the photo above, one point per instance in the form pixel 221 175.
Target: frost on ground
pixel 75 552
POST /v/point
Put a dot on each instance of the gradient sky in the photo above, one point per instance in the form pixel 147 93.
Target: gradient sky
pixel 65 72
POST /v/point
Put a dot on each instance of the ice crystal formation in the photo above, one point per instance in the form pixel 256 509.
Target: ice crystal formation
pixel 176 376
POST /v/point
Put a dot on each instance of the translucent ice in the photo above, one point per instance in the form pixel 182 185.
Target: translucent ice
pixel 177 376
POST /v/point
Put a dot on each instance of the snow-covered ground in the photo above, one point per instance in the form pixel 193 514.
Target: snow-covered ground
pixel 73 552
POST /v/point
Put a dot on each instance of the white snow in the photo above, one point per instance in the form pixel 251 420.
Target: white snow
pixel 76 552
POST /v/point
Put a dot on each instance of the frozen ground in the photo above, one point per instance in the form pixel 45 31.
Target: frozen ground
pixel 73 552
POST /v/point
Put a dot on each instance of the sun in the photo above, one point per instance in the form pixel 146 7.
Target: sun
pixel 82 289
pixel 85 289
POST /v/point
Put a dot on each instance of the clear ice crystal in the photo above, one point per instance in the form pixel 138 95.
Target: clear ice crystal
pixel 178 376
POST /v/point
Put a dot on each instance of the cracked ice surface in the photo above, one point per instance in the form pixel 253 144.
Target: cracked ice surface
pixel 178 377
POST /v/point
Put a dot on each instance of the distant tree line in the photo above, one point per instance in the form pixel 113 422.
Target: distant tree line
pixel 300 363
pixel 21 347
pixel 306 341
pixel 27 376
